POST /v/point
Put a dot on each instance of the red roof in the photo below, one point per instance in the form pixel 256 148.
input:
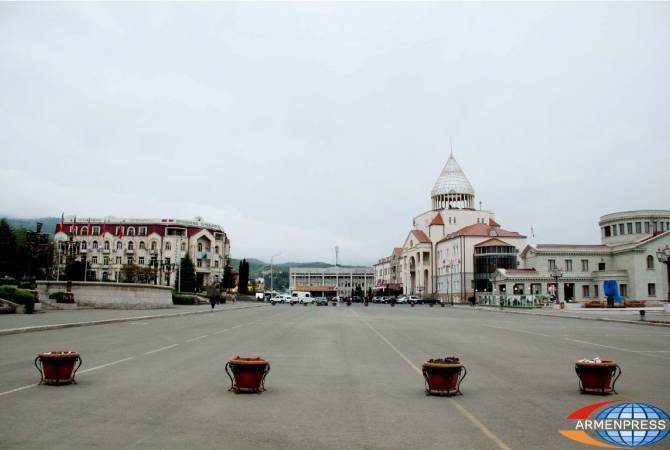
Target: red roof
pixel 493 223
pixel 491 242
pixel 397 252
pixel 421 236
pixel 437 220
pixel 480 229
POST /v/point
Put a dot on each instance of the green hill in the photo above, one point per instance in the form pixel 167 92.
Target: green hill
pixel 49 223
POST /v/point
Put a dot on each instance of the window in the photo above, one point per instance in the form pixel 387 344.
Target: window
pixel 119 231
pixel 199 246
pixel 595 291
pixel 650 262
pixel 607 231
pixel 200 263
pixel 119 245
pixel 621 229
pixel 623 290
pixel 105 260
pixel 83 245
pixel 143 231
pixel 142 245
pixel 568 265
pixel 168 246
pixel 646 227
pixel 216 249
pixel 106 245
pixel 629 227
pixel 638 227
pixel 131 245
pixel 84 231
pixel 601 266
pixel 95 245
pixel 552 264
pixel 96 231
pixel 651 290
pixel 614 232
pixel 94 260
pixel 167 261
pixel 130 261
pixel 183 246
pixel 153 245
pixel 216 263
pixel 141 260
pixel 585 265
pixel 131 231
pixel 586 291
pixel 118 260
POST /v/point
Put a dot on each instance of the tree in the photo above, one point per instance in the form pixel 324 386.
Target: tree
pixel 227 277
pixel 186 280
pixel 359 291
pixel 74 271
pixel 8 250
pixel 243 283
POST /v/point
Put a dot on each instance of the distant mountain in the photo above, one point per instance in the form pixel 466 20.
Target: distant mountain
pixel 49 223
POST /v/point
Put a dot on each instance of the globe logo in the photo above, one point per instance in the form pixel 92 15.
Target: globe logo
pixel 636 413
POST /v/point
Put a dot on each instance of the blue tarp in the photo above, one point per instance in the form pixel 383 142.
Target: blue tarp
pixel 611 289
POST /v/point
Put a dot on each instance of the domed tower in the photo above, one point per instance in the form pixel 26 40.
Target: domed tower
pixel 452 189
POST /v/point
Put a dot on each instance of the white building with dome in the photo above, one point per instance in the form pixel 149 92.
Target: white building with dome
pixel 452 249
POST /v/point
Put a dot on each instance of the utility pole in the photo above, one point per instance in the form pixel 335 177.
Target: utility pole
pixel 272 272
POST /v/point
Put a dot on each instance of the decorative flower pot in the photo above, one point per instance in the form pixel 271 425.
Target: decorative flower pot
pixel 443 379
pixel 597 377
pixel 247 373
pixel 57 368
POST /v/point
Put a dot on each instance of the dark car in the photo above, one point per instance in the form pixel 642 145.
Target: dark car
pixel 427 301
pixel 321 301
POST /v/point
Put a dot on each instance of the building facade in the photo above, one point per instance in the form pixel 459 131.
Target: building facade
pixel 388 273
pixel 627 254
pixel 106 245
pixel 452 249
pixel 330 281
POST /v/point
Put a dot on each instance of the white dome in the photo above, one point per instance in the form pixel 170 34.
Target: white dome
pixel 452 180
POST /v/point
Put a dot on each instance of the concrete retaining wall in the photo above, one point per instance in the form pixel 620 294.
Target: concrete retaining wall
pixel 111 295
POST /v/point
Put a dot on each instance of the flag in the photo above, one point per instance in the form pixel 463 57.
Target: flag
pixel 90 230
pixel 532 232
pixel 62 222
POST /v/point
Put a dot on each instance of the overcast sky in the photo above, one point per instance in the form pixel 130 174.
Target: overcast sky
pixel 301 126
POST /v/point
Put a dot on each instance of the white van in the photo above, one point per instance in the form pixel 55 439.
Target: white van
pixel 301 297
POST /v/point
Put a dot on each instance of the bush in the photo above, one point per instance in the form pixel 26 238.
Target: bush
pixel 180 299
pixel 58 296
pixel 22 297
pixel 25 285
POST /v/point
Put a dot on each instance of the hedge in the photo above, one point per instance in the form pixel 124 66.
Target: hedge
pixel 180 299
pixel 19 296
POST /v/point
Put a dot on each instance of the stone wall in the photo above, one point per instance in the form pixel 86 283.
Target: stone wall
pixel 111 295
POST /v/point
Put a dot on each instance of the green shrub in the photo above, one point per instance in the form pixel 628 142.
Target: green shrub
pixel 24 285
pixel 181 299
pixel 16 295
pixel 58 296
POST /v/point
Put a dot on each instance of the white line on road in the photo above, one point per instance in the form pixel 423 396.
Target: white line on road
pixel 161 349
pixel 18 389
pixel 458 406
pixel 516 330
pixel 104 365
pixel 198 338
pixel 221 331
pixel 639 352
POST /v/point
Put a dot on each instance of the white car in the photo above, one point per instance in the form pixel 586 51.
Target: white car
pixel 413 299
pixel 402 299
pixel 301 297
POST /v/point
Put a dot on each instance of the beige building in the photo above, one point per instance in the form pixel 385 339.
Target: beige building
pixel 388 273
pixel 107 244
pixel 330 281
pixel 453 249
pixel 627 254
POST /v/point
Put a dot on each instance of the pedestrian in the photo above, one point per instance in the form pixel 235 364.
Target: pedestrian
pixel 212 301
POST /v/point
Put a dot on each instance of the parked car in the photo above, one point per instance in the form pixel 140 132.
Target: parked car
pixel 427 301
pixel 376 299
pixel 321 301
pixel 402 299
pixel 300 297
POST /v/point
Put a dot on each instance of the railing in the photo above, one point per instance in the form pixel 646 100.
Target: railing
pixel 513 301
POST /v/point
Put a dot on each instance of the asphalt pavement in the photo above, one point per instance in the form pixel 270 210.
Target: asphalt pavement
pixel 341 377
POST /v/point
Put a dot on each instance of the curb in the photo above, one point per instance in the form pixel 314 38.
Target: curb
pixel 109 321
pixel 652 323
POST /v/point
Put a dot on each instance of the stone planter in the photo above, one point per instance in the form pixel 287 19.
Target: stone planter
pixel 597 377
pixel 443 379
pixel 57 368
pixel 247 373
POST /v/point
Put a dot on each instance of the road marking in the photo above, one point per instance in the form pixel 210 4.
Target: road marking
pixel 198 338
pixel 237 326
pixel 104 365
pixel 639 352
pixel 467 414
pixel 161 349
pixel 221 331
pixel 517 330
pixel 18 389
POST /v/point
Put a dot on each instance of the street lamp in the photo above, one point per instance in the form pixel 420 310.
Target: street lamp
pixel 556 273
pixel 663 256
pixel 271 272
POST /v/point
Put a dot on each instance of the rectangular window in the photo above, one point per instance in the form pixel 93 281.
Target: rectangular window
pixel 586 291
pixel 651 289
pixel 143 231
pixel 199 263
pixel 614 232
pixel 141 260
pixel 629 227
pixel 607 231
pixel 130 261
pixel 552 264
pixel 601 266
pixel 106 260
pixel 595 291
pixel 623 290
pixel 646 227
pixel 621 230
pixel 167 261
pixel 585 265
pixel 94 260
pixel 216 263
pixel 96 231
pixel 638 227
pixel 118 260
pixel 568 265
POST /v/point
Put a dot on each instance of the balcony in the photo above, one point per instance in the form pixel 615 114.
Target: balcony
pixel 130 251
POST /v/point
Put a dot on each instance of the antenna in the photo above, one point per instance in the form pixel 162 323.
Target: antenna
pixel 337 254
pixel 451 147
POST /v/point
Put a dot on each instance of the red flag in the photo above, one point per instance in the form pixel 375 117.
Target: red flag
pixel 90 230
pixel 62 222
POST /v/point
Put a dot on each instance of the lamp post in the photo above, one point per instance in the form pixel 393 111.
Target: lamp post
pixel 272 273
pixel 556 273
pixel 663 256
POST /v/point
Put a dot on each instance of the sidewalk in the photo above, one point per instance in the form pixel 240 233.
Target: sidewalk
pixel 56 319
pixel 654 316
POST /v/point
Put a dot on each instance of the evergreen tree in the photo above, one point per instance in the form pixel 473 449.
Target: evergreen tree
pixel 186 272
pixel 8 250
pixel 227 282
pixel 74 271
pixel 359 291
pixel 243 283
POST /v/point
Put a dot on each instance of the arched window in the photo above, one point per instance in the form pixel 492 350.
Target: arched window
pixel 95 245
pixel 142 245
pixel 153 245
pixel 131 245
pixel 199 246
pixel 131 231
pixel 83 245
pixel 106 245
pixel 119 245
pixel 84 231
pixel 650 262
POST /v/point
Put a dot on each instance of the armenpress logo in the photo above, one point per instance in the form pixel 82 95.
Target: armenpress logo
pixel 621 424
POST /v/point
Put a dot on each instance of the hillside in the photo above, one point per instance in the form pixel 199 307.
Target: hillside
pixel 49 223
